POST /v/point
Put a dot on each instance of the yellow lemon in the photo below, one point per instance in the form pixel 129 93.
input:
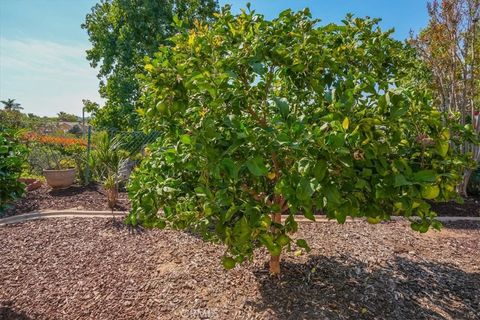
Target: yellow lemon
pixel 430 192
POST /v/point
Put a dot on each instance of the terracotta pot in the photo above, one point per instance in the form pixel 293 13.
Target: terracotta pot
pixel 60 178
pixel 31 184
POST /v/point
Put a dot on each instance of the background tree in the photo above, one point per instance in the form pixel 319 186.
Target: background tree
pixel 122 33
pixel 262 118
pixel 450 47
pixel 11 105
pixel 67 117
pixel 11 116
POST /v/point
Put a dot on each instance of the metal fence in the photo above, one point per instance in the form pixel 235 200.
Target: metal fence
pixel 88 151
pixel 131 144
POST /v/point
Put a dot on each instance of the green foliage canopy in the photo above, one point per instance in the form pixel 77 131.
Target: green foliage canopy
pixel 122 33
pixel 265 117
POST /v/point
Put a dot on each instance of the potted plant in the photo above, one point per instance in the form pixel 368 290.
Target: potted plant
pixel 60 178
pixel 58 169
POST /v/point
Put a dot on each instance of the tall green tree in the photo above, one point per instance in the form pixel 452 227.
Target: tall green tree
pixel 11 116
pixel 450 47
pixel 260 119
pixel 122 33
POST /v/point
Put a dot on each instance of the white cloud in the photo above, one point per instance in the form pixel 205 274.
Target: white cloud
pixel 46 77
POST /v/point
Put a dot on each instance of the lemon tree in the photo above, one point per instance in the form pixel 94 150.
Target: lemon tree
pixel 263 119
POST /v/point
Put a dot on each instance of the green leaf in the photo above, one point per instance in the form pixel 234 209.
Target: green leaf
pixel 398 112
pixel 267 240
pixel 337 140
pixel 200 192
pixel 401 181
pixel 360 184
pixel 231 167
pixel 270 244
pixel 341 216
pixel 282 106
pixel 309 215
pixel 320 169
pixel 425 176
pixel 374 220
pixel 332 194
pixel 241 230
pixel 230 212
pixel 366 172
pixel 186 139
pixel 283 240
pixel 445 134
pixel 258 68
pixel 303 244
pixel 176 21
pixel 160 224
pixel 228 263
pixel 257 167
pixel 420 226
pixel 442 147
pixel 304 189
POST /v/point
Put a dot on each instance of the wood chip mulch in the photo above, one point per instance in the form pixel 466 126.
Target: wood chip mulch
pixel 91 197
pixel 470 208
pixel 98 269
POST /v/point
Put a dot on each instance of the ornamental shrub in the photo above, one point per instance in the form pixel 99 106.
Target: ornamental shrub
pixel 260 119
pixel 12 158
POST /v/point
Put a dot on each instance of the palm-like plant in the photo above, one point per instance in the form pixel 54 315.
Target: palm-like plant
pixel 108 161
pixel 11 105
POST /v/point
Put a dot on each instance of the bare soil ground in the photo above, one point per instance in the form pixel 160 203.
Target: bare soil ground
pixel 98 269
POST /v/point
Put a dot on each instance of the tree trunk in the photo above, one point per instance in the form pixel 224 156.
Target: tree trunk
pixel 112 196
pixel 275 260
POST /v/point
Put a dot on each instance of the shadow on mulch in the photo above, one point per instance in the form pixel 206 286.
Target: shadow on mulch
pixel 470 207
pixel 344 288
pixel 7 312
pixel 91 197
pixel 118 224
pixel 74 190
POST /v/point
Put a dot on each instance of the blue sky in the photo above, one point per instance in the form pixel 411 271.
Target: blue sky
pixel 42 47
